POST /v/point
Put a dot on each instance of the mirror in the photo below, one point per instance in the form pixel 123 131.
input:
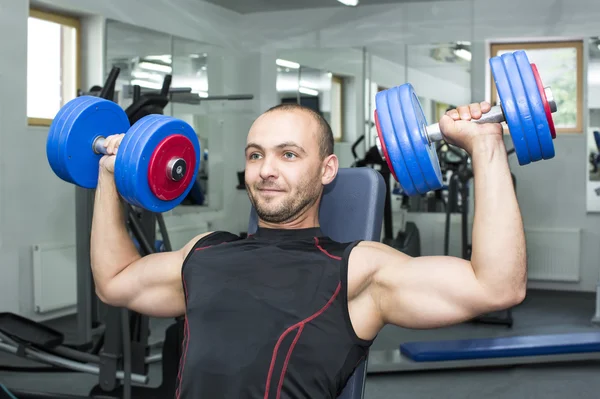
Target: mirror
pixel 440 74
pixel 593 131
pixel 147 58
pixel 190 85
pixel 327 80
pixel 143 56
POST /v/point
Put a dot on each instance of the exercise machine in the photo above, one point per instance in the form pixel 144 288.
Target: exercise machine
pixel 408 239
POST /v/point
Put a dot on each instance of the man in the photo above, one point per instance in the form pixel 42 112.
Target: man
pixel 288 313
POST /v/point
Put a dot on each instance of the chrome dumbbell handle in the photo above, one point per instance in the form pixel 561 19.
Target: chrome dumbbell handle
pixel 495 115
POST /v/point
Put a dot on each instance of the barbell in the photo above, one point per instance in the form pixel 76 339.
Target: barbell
pixel 157 161
pixel 406 141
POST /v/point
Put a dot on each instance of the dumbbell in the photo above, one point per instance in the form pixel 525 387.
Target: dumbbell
pixel 406 141
pixel 157 160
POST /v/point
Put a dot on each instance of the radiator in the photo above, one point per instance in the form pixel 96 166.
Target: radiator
pixel 553 254
pixel 54 277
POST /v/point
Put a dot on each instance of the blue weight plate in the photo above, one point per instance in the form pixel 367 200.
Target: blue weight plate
pixel 136 152
pixel 51 140
pixel 511 113
pixel 153 136
pixel 123 176
pixel 398 114
pixel 55 127
pixel 53 148
pixel 77 137
pixel 64 132
pixel 536 105
pixel 416 128
pixel 146 140
pixel 391 144
pixel 522 102
pixel 137 177
pixel 99 117
pixel 126 164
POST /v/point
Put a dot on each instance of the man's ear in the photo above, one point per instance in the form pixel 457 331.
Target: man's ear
pixel 329 169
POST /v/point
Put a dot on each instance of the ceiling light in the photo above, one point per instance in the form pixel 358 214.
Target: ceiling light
pixel 287 64
pixel 155 67
pixel 147 75
pixel 463 53
pixel 309 85
pixel 350 3
pixel 146 84
pixel 162 58
pixel 310 92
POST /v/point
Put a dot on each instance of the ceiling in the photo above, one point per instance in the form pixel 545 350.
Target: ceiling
pixel 251 6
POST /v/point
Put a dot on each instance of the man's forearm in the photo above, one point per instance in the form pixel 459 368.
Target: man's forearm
pixel 112 249
pixel 499 252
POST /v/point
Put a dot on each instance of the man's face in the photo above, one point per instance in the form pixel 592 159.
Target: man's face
pixel 284 174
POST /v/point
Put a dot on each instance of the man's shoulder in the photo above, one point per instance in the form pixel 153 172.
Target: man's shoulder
pixel 340 249
pixel 215 238
pixel 366 254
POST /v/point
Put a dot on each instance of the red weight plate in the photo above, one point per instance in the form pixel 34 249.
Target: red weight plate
pixel 382 142
pixel 544 100
pixel 176 146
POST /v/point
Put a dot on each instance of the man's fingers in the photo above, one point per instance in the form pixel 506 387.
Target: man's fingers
pixel 464 112
pixel 475 110
pixel 453 114
pixel 485 106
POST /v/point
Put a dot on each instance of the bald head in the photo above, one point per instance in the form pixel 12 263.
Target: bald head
pixel 324 133
pixel 289 159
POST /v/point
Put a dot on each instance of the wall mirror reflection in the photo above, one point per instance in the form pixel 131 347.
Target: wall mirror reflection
pixel 163 74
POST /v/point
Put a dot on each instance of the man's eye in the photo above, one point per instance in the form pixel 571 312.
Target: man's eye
pixel 254 156
pixel 289 155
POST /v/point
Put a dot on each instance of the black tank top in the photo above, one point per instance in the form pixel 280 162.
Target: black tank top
pixel 267 317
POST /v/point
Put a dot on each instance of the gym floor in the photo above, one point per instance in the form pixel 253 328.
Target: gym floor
pixel 541 313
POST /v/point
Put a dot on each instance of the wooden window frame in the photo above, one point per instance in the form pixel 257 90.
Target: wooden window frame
pixel 340 80
pixel 66 21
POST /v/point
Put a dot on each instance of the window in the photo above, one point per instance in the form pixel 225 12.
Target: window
pixel 52 64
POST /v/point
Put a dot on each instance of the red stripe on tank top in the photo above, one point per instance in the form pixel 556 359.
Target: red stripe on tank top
pixel 325 251
pixel 300 325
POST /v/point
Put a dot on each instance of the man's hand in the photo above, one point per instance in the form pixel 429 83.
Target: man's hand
pixel 111 143
pixel 458 129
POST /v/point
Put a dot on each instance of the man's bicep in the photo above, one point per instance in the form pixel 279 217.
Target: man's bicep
pixel 429 291
pixel 152 286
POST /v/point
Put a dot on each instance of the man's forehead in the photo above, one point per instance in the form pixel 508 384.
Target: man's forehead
pixel 277 130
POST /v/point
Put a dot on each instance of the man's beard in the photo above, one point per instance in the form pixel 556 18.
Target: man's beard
pixel 287 209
